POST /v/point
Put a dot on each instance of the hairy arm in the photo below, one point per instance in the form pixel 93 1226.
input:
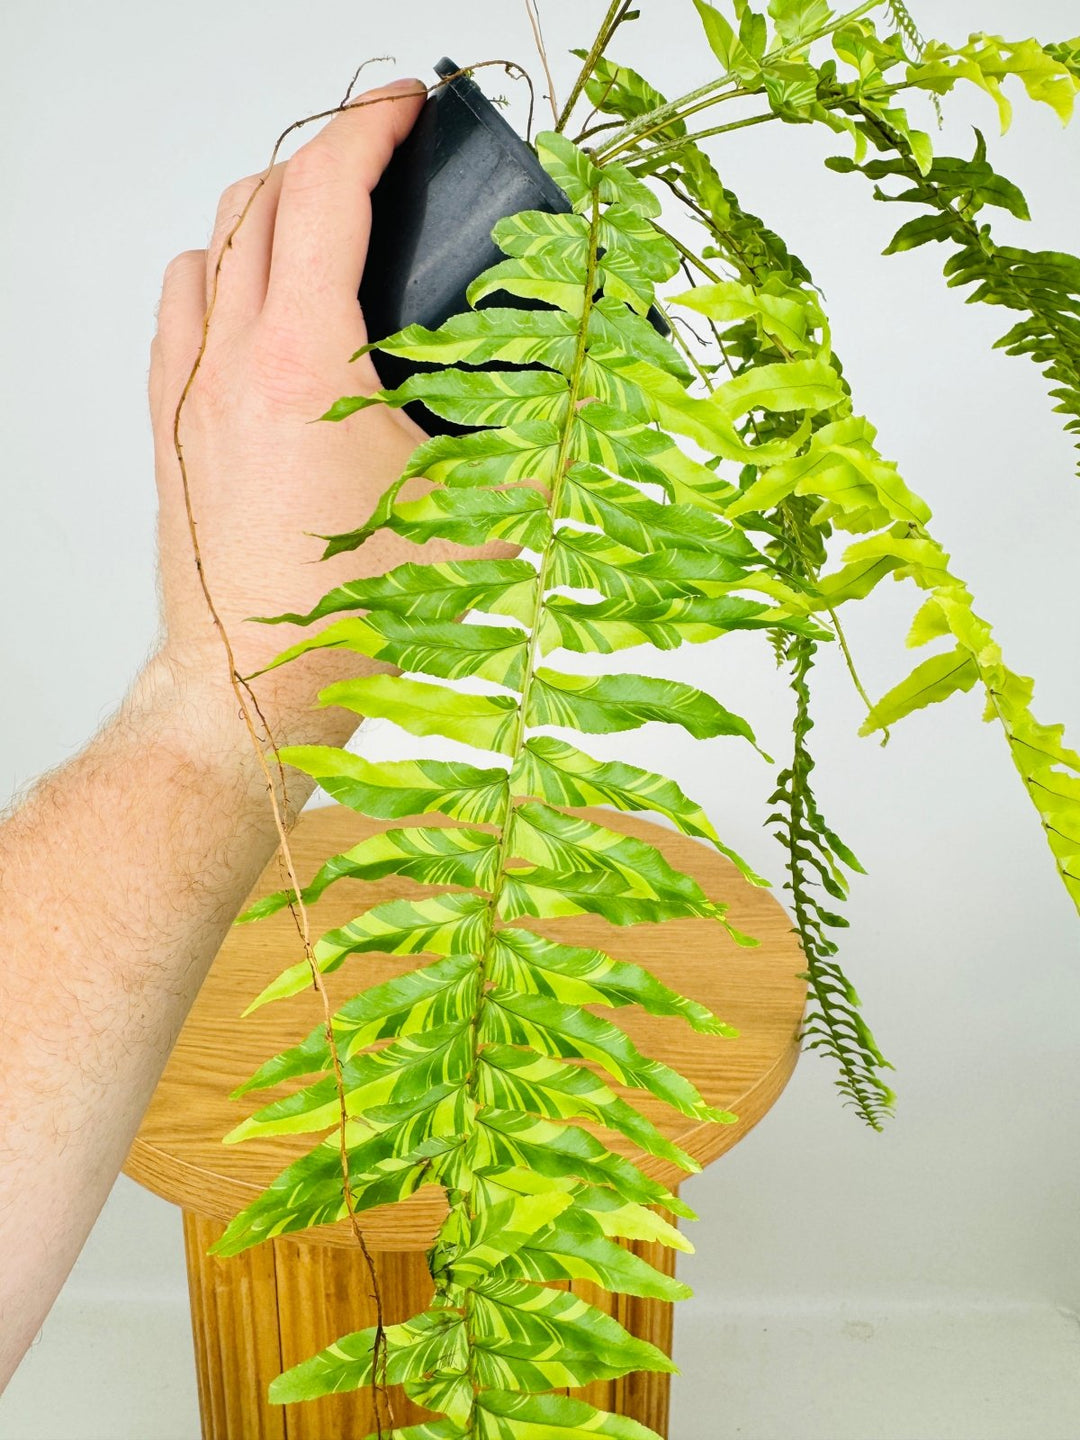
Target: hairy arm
pixel 122 871
pixel 120 876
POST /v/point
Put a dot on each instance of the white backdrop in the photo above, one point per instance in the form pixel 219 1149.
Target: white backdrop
pixel 123 123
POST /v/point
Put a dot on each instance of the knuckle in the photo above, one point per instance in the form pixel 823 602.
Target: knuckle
pixel 284 372
pixel 180 264
pixel 230 208
pixel 234 200
pixel 235 196
pixel 313 165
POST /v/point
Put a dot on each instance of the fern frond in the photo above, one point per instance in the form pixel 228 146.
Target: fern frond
pixel 816 860
pixel 1043 286
pixel 906 24
pixel 492 1056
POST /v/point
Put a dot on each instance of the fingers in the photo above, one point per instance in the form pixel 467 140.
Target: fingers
pixel 179 326
pixel 324 213
pixel 245 270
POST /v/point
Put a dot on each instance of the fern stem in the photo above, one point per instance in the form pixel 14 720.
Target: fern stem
pixel 697 135
pixel 849 661
pixel 673 111
pixel 881 93
pixel 563 455
pixel 793 528
pixel 615 14
pixel 538 35
pixel 738 93
pixel 506 821
pixel 689 256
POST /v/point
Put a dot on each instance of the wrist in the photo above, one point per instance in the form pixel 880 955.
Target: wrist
pixel 191 696
pixel 190 709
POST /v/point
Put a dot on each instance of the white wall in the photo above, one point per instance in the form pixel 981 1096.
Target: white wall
pixel 123 122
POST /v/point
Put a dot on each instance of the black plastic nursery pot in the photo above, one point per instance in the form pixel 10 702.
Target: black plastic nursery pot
pixel 461 169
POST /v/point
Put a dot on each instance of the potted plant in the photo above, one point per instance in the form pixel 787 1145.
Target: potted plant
pixel 667 484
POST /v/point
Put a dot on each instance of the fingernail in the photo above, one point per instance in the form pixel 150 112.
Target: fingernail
pixel 410 83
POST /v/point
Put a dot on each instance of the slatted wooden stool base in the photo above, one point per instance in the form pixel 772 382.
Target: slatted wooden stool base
pixel 257 1313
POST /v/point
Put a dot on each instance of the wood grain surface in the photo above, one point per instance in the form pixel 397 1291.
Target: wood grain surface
pixel 178 1151
pixel 255 1314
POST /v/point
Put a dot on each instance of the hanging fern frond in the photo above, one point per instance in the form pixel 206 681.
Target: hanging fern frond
pixel 484 1077
pixel 1043 286
pixel 907 26
pixel 816 860
pixel 1048 768
pixel 860 492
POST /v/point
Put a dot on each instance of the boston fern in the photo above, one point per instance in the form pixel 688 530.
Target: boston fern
pixel 664 489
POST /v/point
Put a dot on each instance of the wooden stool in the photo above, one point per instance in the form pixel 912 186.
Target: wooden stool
pixel 256 1314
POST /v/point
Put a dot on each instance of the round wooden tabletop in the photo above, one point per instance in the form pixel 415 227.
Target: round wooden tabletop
pixel 178 1151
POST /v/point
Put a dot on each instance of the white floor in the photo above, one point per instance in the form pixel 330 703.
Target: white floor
pixel 840 1373
pixel 114 1360
pixel 122 1370
pixel 119 1369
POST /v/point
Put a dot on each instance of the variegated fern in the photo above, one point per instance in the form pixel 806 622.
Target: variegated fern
pixel 466 1073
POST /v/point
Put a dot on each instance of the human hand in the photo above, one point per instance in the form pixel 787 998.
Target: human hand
pixel 285 321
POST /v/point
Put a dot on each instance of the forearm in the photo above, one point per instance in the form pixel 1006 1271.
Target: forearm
pixel 119 878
